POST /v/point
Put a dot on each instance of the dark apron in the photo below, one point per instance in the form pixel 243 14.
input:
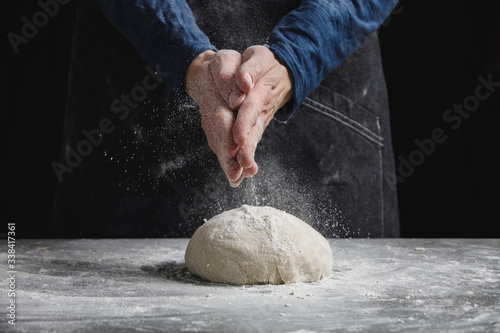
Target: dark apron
pixel 153 174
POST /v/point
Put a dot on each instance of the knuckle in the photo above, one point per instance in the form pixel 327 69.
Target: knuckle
pixel 257 68
pixel 267 101
pixel 224 75
pixel 246 161
pixel 219 118
pixel 220 112
pixel 229 54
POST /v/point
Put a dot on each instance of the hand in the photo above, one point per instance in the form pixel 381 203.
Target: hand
pixel 210 80
pixel 268 87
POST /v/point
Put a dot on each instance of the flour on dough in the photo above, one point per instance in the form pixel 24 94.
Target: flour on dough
pixel 258 245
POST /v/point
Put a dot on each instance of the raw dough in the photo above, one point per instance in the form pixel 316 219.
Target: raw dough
pixel 258 245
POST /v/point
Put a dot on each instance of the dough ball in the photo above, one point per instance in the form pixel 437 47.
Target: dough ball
pixel 258 245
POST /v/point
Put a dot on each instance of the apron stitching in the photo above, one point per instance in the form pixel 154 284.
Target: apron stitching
pixel 381 164
pixel 348 122
pixel 366 110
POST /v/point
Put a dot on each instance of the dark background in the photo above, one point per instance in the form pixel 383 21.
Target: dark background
pixel 433 54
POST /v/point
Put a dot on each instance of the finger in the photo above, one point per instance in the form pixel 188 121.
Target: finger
pixel 218 126
pixel 236 98
pixel 252 171
pixel 233 170
pixel 256 61
pixel 254 105
pixel 217 123
pixel 246 153
pixel 229 148
pixel 230 166
pixel 223 70
pixel 237 182
pixel 223 128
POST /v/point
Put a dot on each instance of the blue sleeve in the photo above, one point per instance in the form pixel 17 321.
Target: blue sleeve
pixel 315 38
pixel 163 32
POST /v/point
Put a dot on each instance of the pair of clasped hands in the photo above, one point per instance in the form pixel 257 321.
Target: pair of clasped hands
pixel 255 84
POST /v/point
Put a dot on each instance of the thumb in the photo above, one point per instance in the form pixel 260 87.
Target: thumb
pixel 257 60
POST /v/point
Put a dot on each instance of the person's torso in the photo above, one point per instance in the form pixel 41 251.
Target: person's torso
pixel 229 26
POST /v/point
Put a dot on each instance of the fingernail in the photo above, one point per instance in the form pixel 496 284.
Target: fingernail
pixel 248 78
pixel 234 183
pixel 235 99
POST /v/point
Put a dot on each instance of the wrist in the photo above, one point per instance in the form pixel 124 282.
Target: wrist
pixel 286 81
pixel 192 71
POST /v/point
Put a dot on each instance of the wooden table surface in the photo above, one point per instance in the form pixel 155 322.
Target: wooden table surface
pixel 142 285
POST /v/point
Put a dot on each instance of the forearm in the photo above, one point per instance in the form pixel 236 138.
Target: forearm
pixel 319 35
pixel 163 33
